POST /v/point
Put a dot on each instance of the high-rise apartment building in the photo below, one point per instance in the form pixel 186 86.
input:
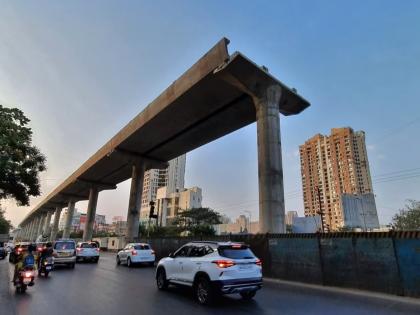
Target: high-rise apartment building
pixel 331 166
pixel 172 177
pixel 170 204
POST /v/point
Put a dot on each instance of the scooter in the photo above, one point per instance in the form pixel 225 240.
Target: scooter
pixel 25 278
pixel 46 266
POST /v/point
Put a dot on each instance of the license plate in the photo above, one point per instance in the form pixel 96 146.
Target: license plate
pixel 245 267
pixel 48 268
pixel 26 280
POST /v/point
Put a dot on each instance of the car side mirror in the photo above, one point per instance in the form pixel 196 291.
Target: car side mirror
pixel 171 255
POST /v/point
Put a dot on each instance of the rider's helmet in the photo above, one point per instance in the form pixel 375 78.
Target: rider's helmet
pixel 31 248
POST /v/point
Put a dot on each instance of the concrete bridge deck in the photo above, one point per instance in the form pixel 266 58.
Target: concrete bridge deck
pixel 211 99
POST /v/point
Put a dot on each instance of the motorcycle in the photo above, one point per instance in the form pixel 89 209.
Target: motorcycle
pixel 46 266
pixel 25 278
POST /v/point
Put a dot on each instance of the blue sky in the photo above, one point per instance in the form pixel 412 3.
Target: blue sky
pixel 82 70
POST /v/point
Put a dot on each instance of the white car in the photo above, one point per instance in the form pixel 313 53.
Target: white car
pixel 212 268
pixel 87 251
pixel 136 253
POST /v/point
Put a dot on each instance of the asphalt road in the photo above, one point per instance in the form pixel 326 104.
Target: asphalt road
pixel 106 288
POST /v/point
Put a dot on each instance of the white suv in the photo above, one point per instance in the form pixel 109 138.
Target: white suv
pixel 212 268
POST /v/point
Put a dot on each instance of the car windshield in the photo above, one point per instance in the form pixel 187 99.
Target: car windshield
pixel 236 253
pixel 139 247
pixel 64 245
pixel 88 245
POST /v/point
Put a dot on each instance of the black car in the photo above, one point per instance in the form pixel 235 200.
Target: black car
pixel 3 252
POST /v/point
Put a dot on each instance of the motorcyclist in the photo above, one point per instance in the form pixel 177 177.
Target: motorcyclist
pixel 25 260
pixel 46 252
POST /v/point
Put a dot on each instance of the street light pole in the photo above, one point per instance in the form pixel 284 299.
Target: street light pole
pixel 250 216
pixel 320 212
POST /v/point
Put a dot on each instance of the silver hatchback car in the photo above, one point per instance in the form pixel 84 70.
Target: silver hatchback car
pixel 65 252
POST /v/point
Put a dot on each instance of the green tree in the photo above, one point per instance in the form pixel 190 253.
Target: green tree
pixel 408 218
pixel 197 221
pixel 20 161
pixel 5 225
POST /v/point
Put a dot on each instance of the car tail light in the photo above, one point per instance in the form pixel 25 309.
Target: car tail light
pixel 134 252
pixel 79 249
pixel 258 262
pixel 153 252
pixel 19 250
pixel 97 249
pixel 39 249
pixel 224 263
pixel 237 246
pixel 28 274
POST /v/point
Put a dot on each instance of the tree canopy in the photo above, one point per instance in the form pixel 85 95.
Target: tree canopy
pixel 20 161
pixel 5 225
pixel 197 221
pixel 407 218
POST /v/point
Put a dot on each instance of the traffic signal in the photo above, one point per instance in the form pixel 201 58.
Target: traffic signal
pixel 152 210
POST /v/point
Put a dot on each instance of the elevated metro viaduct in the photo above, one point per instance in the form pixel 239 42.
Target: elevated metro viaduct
pixel 219 94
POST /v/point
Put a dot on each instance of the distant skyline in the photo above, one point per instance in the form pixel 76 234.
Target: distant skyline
pixel 82 70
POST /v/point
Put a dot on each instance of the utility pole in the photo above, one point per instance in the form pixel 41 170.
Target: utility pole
pixel 249 224
pixel 320 212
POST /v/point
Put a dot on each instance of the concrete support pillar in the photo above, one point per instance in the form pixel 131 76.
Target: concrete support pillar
pixel 26 232
pixel 69 218
pixel 134 204
pixel 270 170
pixel 47 223
pixel 54 229
pixel 31 229
pixel 91 213
pixel 40 226
pixel 34 228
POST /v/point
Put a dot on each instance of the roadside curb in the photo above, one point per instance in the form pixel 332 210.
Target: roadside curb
pixel 355 292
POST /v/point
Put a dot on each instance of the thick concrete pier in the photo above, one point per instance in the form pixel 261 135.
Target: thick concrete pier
pixel 54 229
pixel 270 170
pixel 69 218
pixel 91 213
pixel 40 225
pixel 47 223
pixel 134 204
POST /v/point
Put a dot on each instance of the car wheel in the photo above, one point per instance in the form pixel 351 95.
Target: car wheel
pixel 248 295
pixel 152 264
pixel 118 260
pixel 96 260
pixel 161 281
pixel 46 274
pixel 72 265
pixel 129 263
pixel 203 291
